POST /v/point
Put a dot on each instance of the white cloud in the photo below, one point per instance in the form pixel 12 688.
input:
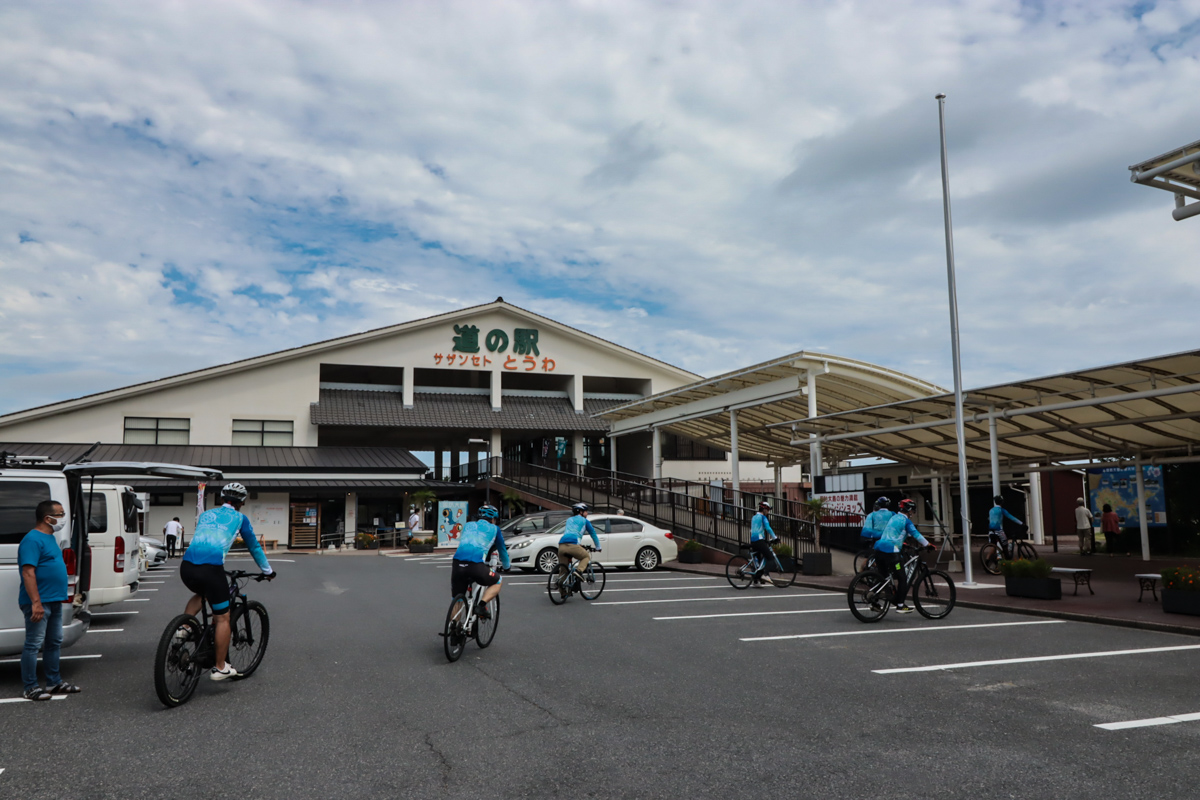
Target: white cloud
pixel 712 184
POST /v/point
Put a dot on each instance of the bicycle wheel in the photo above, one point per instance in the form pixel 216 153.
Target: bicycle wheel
pixel 738 572
pixel 1025 550
pixel 554 588
pixel 786 578
pixel 250 629
pixel 934 595
pixel 176 668
pixel 862 560
pixel 485 629
pixel 592 583
pixel 989 557
pixel 454 636
pixel 868 597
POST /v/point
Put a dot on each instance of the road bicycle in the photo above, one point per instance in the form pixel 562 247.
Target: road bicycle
pixel 991 553
pixel 589 583
pixel 187 648
pixel 871 594
pixel 463 620
pixel 741 571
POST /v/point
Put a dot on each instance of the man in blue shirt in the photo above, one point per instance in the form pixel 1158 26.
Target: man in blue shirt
pixel 996 515
pixel 43 591
pixel 875 522
pixel 887 550
pixel 469 566
pixel 569 543
pixel 761 536
pixel 203 566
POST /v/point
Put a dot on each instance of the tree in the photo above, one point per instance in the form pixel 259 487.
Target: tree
pixel 423 498
pixel 513 502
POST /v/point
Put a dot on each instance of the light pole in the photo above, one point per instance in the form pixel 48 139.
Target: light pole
pixel 488 488
pixel 954 352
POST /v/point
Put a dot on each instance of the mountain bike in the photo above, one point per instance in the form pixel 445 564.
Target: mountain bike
pixel 589 583
pixel 871 593
pixel 740 571
pixel 187 648
pixel 991 553
pixel 463 620
pixel 864 559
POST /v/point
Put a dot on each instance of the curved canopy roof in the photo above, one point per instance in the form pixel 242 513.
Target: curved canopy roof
pixel 764 395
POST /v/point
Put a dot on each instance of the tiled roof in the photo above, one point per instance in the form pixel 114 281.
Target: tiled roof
pixel 386 409
pixel 237 459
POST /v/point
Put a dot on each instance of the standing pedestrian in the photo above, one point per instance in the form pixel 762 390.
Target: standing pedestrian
pixel 1083 526
pixel 173 530
pixel 43 591
pixel 1110 526
pixel 414 520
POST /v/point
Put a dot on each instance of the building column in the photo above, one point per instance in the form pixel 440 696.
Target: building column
pixel 497 453
pixel 656 453
pixel 438 455
pixel 733 445
pixel 577 447
pixel 778 482
pixel 612 453
pixel 455 465
pixel 935 492
pixel 497 390
pixel 473 465
pixel 575 392
pixel 1143 523
pixel 1035 508
pixel 995 452
pixel 814 447
pixel 948 507
pixel 351 517
pixel 408 388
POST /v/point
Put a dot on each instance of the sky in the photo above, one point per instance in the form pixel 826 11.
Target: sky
pixel 713 184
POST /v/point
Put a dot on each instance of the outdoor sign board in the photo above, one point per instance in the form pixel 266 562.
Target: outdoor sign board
pixel 1117 486
pixel 452 516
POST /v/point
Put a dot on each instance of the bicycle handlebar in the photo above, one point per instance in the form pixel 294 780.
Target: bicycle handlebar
pixel 238 574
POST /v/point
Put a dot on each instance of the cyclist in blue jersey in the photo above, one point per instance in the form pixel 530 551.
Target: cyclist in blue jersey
pixel 996 515
pixel 761 536
pixel 203 567
pixel 475 543
pixel 569 544
pixel 887 550
pixel 875 522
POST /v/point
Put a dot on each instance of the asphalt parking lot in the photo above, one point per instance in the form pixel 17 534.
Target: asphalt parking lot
pixel 669 685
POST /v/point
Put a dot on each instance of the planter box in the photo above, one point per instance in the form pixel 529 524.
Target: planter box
pixel 1177 601
pixel 693 557
pixel 1036 588
pixel 818 563
pixel 420 548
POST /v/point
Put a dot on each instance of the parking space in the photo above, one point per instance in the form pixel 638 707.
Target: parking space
pixel 668 685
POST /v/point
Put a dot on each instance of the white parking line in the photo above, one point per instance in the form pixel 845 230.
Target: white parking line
pixel 898 630
pixel 755 614
pixel 147 590
pixel 1146 723
pixel 17 660
pixel 138 599
pixel 113 613
pixel 141 582
pixel 1065 657
pixel 105 630
pixel 709 599
pixel 23 700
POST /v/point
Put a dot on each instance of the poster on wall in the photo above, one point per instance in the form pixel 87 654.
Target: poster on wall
pixel 452 516
pixel 1117 486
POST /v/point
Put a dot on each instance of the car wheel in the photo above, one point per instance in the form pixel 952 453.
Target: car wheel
pixel 547 561
pixel 647 559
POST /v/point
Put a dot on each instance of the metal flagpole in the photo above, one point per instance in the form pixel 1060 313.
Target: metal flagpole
pixel 954 350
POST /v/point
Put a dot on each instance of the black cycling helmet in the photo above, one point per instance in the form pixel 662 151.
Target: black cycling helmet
pixel 234 491
pixel 488 512
pixel 907 506
pixel 883 502
pixel 998 500
pixel 580 508
pixel 764 506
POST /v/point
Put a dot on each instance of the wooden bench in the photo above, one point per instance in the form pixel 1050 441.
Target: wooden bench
pixel 1148 580
pixel 1083 577
pixel 272 543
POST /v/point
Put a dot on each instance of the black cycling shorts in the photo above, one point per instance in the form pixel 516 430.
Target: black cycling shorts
pixel 464 573
pixel 208 581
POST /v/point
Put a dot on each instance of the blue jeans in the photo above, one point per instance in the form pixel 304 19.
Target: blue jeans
pixel 47 631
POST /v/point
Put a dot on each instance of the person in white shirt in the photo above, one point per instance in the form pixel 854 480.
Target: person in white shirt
pixel 173 530
pixel 1083 527
pixel 414 521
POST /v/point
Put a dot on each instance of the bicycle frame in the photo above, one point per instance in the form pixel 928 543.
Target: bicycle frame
pixel 206 651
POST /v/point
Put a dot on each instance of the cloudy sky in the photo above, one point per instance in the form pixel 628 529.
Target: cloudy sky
pixel 714 184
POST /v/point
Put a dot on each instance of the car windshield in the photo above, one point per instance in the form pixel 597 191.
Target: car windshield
pixel 557 529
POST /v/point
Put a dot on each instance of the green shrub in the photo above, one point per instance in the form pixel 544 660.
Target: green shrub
pixel 1025 568
pixel 691 546
pixel 365 540
pixel 1185 579
pixel 783 550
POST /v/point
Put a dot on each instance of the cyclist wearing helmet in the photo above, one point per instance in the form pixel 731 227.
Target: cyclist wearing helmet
pixel 876 521
pixel 996 515
pixel 568 545
pixel 475 543
pixel 761 536
pixel 203 566
pixel 887 549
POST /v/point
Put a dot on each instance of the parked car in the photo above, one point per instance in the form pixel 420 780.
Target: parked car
pixel 528 523
pixel 154 553
pixel 113 535
pixel 626 542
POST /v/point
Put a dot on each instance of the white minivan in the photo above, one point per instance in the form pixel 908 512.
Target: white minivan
pixel 112 513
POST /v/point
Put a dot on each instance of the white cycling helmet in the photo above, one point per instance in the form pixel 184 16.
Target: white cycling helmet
pixel 235 491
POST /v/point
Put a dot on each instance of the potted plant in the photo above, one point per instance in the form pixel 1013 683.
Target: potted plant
pixel 1025 577
pixel 786 557
pixel 365 541
pixel 1181 590
pixel 691 552
pixel 418 545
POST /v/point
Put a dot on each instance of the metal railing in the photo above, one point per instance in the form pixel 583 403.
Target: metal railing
pixel 712 515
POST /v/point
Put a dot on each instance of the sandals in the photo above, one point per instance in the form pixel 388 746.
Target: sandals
pixel 36 693
pixel 63 688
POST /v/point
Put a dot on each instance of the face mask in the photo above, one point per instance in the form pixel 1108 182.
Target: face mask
pixel 58 525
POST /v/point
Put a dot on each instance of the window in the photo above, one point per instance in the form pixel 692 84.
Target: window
pixel 262 432
pixel 166 499
pixel 98 519
pixel 624 526
pixel 680 448
pixel 18 507
pixel 157 430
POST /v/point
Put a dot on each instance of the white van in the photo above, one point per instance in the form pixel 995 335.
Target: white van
pixel 26 481
pixel 112 513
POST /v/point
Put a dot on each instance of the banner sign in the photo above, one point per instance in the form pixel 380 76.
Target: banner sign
pixel 1117 486
pixel 452 516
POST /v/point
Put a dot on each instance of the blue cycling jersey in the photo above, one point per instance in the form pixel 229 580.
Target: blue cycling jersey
pixel 760 526
pixel 875 522
pixel 899 528
pixel 575 528
pixel 996 518
pixel 215 531
pixel 477 539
